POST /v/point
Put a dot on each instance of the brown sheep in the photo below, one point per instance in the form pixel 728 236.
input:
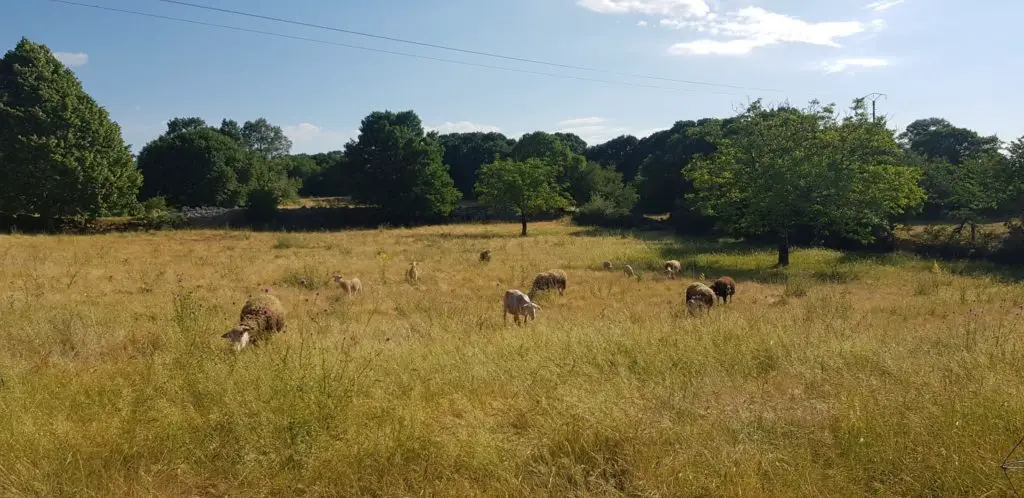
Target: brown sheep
pixel 607 265
pixel 724 287
pixel 485 255
pixel 261 316
pixel 413 273
pixel 551 279
pixel 699 297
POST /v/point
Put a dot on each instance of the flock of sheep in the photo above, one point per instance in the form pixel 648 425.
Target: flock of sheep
pixel 264 315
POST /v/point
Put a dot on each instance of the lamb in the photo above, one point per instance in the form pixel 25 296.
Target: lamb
pixel 551 279
pixel 672 268
pixel 413 273
pixel 699 297
pixel 517 303
pixel 349 286
pixel 261 316
pixel 485 255
pixel 628 270
pixel 724 287
pixel 607 265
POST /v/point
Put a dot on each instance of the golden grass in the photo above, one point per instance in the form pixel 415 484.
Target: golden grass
pixel 838 377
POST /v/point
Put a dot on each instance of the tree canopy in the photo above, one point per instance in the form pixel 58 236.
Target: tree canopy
pixel 527 188
pixel 776 171
pixel 60 153
pixel 398 167
pixel 465 153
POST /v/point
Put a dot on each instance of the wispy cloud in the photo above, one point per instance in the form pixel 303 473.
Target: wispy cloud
pixel 841 65
pixel 308 137
pixel 72 59
pixel 462 127
pixel 736 32
pixel 593 130
pixel 881 5
pixel 642 24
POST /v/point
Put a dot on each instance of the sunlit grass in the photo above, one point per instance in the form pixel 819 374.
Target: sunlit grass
pixel 839 376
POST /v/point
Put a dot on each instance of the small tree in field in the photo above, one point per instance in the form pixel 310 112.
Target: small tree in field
pixel 527 188
pixel 776 171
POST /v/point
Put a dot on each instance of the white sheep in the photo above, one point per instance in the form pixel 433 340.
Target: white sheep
pixel 672 268
pixel 518 303
pixel 413 273
pixel 628 270
pixel 607 265
pixel 349 286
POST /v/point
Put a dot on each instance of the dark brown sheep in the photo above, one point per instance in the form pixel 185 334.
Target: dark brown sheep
pixel 551 279
pixel 485 255
pixel 724 287
pixel 261 316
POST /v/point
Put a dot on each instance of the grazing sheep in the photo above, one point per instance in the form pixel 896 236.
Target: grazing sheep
pixel 519 304
pixel 485 255
pixel 672 268
pixel 551 279
pixel 413 273
pixel 628 270
pixel 261 316
pixel 724 287
pixel 349 286
pixel 699 297
pixel 607 265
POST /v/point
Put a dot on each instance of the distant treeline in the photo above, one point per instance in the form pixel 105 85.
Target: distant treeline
pixel 784 175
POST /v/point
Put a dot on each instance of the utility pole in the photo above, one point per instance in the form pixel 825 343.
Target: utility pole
pixel 874 98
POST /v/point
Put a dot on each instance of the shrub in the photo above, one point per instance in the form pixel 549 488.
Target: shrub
pixel 261 206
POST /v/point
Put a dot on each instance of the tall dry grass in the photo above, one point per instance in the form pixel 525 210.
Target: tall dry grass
pixel 838 377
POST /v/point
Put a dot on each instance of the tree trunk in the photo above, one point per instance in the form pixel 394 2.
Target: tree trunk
pixel 523 220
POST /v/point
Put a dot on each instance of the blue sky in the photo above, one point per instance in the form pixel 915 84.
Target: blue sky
pixel 946 58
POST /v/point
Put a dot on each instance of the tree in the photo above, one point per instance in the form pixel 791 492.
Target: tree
pixel 621 153
pixel 398 167
pixel 60 154
pixel 204 167
pixel 265 139
pixel 231 128
pixel 527 188
pixel 184 124
pixel 777 171
pixel 936 138
pixel 1014 178
pixel 573 141
pixel 664 154
pixel 464 153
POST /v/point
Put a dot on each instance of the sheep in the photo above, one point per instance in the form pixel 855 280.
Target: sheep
pixel 699 297
pixel 413 273
pixel 349 286
pixel 628 270
pixel 261 316
pixel 485 255
pixel 672 268
pixel 551 279
pixel 517 303
pixel 724 287
pixel 607 265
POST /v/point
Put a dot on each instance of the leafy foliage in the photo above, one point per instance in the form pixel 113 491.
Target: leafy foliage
pixel 397 167
pixel 936 138
pixel 265 139
pixel 622 153
pixel 60 154
pixel 527 188
pixel 465 153
pixel 777 171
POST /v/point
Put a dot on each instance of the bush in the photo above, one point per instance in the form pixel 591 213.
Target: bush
pixel 602 212
pixel 1011 250
pixel 261 206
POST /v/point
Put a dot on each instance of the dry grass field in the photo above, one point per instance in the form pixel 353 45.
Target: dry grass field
pixel 841 376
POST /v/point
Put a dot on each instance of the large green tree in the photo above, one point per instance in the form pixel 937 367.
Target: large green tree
pixel 527 188
pixel 937 138
pixel 621 153
pixel 265 139
pixel 398 167
pixel 465 153
pixel 60 153
pixel 776 171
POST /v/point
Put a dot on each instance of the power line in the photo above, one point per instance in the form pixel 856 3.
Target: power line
pixel 384 51
pixel 461 50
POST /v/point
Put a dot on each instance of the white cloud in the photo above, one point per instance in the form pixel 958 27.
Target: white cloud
pixel 308 137
pixel 642 24
pixel 675 8
pixel 72 59
pixel 593 130
pixel 840 65
pixel 737 32
pixel 462 127
pixel 881 5
pixel 591 121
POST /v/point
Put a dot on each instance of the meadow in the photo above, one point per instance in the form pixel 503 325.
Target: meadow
pixel 843 375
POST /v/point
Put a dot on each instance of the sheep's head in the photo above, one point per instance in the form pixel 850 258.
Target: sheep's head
pixel 337 278
pixel 239 335
pixel 531 309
